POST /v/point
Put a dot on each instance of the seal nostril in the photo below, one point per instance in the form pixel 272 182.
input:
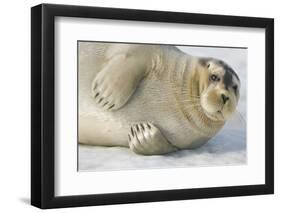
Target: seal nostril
pixel 224 98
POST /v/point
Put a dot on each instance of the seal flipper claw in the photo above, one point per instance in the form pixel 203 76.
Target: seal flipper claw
pixel 146 139
pixel 113 86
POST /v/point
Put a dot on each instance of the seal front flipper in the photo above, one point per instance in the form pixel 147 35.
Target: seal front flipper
pixel 146 139
pixel 116 82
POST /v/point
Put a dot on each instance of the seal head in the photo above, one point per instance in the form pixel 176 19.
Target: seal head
pixel 209 94
pixel 220 89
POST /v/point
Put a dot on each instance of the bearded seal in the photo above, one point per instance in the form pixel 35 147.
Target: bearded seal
pixel 153 99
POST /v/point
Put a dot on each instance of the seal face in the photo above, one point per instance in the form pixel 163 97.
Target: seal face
pixel 220 94
pixel 208 95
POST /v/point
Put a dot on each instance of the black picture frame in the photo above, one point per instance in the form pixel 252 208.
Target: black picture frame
pixel 43 102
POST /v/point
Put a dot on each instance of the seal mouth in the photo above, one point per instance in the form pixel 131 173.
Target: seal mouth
pixel 217 116
pixel 219 112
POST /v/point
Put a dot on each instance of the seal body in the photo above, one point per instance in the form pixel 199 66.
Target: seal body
pixel 158 96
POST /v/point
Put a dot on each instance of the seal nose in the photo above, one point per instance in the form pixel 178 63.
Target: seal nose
pixel 224 98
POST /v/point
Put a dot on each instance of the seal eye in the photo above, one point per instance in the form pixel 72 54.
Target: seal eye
pixel 214 78
pixel 235 88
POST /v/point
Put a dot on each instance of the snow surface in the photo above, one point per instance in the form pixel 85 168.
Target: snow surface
pixel 228 147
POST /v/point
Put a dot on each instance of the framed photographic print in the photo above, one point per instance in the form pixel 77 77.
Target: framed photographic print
pixel 141 106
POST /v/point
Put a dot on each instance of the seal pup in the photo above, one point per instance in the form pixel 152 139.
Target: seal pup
pixel 154 99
